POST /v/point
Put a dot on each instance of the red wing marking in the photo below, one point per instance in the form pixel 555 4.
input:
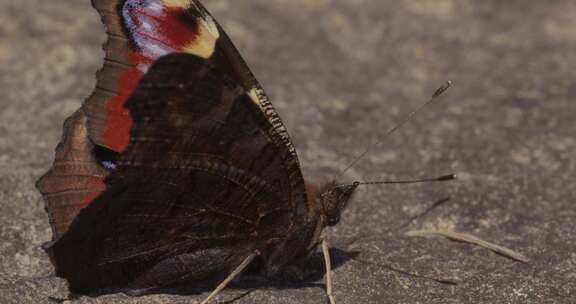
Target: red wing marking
pixel 167 28
pixel 98 185
pixel 118 120
pixel 155 28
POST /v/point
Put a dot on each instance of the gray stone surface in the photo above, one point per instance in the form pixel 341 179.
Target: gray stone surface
pixel 341 72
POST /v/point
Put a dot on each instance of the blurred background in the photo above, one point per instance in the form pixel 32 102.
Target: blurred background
pixel 340 73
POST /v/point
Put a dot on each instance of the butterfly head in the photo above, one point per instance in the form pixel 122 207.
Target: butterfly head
pixel 334 199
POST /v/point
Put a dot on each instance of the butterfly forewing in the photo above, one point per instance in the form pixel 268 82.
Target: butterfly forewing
pixel 194 166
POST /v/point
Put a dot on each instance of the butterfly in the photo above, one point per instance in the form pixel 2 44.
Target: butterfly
pixel 177 169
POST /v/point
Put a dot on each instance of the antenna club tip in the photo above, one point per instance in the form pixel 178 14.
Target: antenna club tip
pixel 448 177
pixel 442 89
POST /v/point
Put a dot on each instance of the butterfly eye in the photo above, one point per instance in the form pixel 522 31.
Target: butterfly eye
pixel 332 221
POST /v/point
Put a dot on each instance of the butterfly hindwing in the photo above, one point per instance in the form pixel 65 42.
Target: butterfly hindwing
pixel 75 179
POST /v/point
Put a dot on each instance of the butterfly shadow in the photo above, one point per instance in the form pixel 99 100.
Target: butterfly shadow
pixel 308 273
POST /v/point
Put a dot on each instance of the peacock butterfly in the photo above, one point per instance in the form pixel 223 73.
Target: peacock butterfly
pixel 177 168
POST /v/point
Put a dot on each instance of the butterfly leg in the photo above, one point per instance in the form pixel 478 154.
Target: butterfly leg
pixel 231 276
pixel 328 264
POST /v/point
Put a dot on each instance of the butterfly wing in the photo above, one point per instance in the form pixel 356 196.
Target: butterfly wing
pixel 186 166
pixel 140 32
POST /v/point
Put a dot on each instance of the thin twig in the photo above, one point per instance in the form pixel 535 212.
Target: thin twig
pixel 467 238
pixel 435 205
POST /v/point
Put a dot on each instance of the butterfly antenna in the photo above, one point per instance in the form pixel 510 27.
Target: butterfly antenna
pixel 435 96
pixel 442 178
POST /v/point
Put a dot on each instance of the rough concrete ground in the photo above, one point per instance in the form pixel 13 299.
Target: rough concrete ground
pixel 340 73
